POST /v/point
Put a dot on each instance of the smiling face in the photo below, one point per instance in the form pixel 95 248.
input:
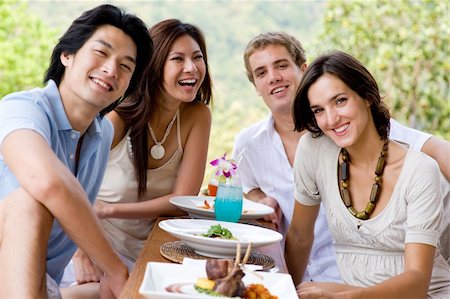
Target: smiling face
pixel 100 71
pixel 340 112
pixel 184 70
pixel 276 77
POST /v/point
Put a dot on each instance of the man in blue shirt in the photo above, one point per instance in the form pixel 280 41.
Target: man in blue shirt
pixel 54 146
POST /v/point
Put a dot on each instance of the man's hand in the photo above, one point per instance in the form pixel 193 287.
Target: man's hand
pixel 276 216
pixel 85 269
pixel 259 196
pixel 111 285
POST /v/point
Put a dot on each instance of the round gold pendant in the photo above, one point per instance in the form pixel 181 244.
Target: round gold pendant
pixel 157 151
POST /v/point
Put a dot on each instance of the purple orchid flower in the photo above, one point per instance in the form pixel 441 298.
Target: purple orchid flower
pixel 226 169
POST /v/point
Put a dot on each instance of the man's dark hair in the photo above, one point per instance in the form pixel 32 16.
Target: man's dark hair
pixel 86 25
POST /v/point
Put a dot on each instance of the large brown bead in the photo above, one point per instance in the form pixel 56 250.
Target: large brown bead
pixel 344 171
pixel 362 215
pixel 369 208
pixel 352 210
pixel 346 197
pixel 374 193
pixel 380 166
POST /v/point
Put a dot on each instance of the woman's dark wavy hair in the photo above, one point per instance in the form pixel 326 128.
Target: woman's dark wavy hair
pixel 355 76
pixel 85 26
pixel 138 109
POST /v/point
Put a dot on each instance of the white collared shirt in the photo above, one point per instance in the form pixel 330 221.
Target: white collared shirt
pixel 265 165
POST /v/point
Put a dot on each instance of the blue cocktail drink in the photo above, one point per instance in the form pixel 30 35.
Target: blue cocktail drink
pixel 228 203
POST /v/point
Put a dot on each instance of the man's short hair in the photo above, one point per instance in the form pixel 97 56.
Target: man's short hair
pixel 292 45
pixel 86 25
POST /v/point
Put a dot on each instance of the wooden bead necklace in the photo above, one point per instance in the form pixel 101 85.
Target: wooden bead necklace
pixel 376 187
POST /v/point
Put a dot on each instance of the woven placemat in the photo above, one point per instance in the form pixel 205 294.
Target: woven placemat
pixel 176 251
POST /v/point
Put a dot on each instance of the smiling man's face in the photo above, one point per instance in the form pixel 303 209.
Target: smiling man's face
pixel 276 77
pixel 100 71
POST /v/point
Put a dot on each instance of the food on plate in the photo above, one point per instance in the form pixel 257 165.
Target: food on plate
pixel 224 278
pixel 206 205
pixel 217 231
pixel 205 283
pixel 257 291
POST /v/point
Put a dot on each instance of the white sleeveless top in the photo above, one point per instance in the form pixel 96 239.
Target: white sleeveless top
pixel 120 186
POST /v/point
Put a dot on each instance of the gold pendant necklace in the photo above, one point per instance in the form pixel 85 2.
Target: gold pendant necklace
pixel 376 187
pixel 158 151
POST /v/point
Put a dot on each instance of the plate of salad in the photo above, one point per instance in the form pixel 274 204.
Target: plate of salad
pixel 218 239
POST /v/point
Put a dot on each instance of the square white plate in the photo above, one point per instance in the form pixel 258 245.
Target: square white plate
pixel 159 276
pixel 194 205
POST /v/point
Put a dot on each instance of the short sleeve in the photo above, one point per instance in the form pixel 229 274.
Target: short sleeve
pixel 414 138
pixel 424 202
pixel 305 171
pixel 22 114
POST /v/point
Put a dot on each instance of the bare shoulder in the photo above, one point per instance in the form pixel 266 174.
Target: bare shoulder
pixel 120 129
pixel 195 113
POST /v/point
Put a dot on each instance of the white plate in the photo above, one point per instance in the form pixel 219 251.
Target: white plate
pixel 190 230
pixel 158 276
pixel 194 205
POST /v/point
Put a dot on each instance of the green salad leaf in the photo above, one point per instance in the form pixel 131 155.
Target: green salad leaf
pixel 217 231
pixel 210 292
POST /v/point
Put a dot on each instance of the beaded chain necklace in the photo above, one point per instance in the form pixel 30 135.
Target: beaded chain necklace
pixel 376 187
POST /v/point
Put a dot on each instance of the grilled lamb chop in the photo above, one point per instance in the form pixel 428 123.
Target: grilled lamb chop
pixel 232 284
pixel 220 268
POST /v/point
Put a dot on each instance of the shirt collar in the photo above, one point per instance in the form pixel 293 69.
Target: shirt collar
pixel 265 127
pixel 51 91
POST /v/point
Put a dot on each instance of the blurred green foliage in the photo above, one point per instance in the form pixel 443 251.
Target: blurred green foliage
pixel 25 47
pixel 405 45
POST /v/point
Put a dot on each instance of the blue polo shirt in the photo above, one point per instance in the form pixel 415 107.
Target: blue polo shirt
pixel 41 110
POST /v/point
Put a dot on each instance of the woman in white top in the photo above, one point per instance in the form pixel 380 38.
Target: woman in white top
pixel 383 202
pixel 160 144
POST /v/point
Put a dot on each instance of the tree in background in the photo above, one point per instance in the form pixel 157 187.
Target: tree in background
pixel 405 45
pixel 25 48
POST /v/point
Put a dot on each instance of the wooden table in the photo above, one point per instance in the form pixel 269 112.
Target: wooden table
pixel 151 253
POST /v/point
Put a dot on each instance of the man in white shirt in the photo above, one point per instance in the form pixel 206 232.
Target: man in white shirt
pixel 275 63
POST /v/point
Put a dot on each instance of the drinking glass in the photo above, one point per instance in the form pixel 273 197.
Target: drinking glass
pixel 228 202
pixel 212 187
